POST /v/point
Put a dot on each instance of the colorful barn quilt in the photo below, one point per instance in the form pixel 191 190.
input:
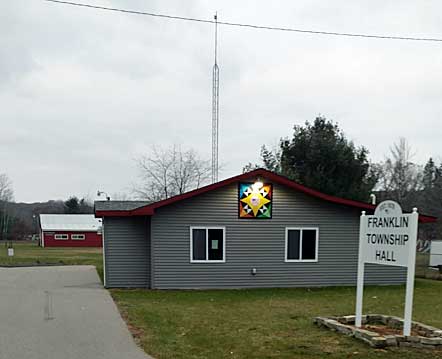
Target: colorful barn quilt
pixel 255 200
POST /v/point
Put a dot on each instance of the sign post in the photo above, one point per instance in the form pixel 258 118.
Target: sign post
pixel 360 283
pixel 389 238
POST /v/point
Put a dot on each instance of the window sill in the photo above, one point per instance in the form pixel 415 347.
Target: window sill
pixel 207 261
pixel 301 260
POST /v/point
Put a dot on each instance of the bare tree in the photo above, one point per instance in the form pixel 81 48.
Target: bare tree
pixel 398 175
pixel 164 173
pixel 6 192
pixel 6 196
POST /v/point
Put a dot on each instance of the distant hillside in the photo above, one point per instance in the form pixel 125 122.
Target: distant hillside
pixel 25 212
pixel 24 216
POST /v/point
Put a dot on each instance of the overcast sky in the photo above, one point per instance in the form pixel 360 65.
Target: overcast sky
pixel 83 92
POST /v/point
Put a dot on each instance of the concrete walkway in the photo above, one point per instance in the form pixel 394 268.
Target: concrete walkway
pixel 60 313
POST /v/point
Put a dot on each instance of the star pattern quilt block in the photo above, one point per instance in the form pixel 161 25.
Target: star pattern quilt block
pixel 255 200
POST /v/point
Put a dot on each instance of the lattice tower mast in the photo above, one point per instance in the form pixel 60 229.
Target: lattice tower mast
pixel 215 108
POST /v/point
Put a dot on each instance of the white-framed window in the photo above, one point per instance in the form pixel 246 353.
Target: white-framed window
pixel 207 244
pixel 78 237
pixel 301 244
pixel 61 236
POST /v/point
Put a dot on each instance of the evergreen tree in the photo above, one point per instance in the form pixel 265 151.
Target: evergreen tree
pixel 429 174
pixel 72 205
pixel 321 157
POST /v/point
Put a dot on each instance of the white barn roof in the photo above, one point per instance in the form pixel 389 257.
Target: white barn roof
pixel 69 222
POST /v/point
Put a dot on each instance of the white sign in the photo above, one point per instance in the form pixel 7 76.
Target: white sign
pixel 388 237
pixel 385 235
pixel 10 252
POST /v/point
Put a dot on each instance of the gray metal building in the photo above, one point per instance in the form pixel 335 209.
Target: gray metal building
pixel 257 229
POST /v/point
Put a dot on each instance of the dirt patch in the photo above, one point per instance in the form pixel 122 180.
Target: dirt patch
pixel 137 333
pixel 384 330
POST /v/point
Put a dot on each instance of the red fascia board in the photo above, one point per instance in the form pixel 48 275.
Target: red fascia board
pixel 150 209
pixel 427 219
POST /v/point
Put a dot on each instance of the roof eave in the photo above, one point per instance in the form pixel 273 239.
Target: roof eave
pixel 149 210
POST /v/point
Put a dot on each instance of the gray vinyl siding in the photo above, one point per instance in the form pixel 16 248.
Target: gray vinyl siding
pixel 127 251
pixel 260 244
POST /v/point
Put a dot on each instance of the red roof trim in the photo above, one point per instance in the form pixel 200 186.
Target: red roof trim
pixel 150 209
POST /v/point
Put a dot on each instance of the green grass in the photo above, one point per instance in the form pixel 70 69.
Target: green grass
pixel 258 323
pixel 29 253
pixel 266 323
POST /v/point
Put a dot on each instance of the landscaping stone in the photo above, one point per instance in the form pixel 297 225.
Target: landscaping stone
pixel 405 344
pixel 400 338
pixel 345 329
pixel 349 319
pixel 365 334
pixel 412 339
pixel 378 342
pixel 428 337
pixel 431 341
pixel 391 340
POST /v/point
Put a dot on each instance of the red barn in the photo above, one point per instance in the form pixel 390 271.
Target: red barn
pixel 70 230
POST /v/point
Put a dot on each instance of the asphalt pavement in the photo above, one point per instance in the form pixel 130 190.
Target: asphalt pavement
pixel 60 313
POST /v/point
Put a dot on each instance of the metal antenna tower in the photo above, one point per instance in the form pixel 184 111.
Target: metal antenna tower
pixel 215 108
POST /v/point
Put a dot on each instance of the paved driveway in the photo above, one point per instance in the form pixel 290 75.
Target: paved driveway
pixel 60 313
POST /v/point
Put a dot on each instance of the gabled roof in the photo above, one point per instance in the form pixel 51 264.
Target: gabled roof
pixel 69 222
pixel 149 209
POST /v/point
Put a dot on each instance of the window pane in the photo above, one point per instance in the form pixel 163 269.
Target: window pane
pixel 199 244
pixel 293 244
pixel 309 244
pixel 215 244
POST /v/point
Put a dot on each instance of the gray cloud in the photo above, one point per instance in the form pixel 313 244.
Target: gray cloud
pixel 83 92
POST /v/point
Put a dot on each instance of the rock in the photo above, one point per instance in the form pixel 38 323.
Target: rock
pixel 365 334
pixel 374 318
pixel 391 340
pixel 400 338
pixel 413 338
pixel 426 328
pixel 429 337
pixel 378 342
pixel 431 341
pixel 345 329
pixel 349 319
pixel 395 322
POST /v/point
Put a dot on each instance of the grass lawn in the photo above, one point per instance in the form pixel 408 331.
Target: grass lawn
pixel 258 323
pixel 267 323
pixel 29 253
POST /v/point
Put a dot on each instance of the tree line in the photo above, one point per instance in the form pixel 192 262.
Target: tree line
pixel 317 154
pixel 19 221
